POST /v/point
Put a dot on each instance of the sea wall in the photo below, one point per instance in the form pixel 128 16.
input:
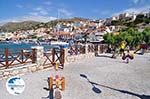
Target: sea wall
pixel 40 59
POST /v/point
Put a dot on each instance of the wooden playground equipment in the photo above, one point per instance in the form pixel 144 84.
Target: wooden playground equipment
pixel 57 82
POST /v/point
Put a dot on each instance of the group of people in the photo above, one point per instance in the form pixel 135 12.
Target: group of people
pixel 126 56
pixel 124 52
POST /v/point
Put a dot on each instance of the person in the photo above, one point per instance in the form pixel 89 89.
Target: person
pixel 57 94
pixel 122 47
pixel 127 56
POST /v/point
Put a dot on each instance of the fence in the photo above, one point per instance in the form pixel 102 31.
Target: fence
pixel 10 58
pixel 77 49
pixel 49 58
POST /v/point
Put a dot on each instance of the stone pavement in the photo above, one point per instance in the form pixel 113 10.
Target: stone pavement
pixel 106 79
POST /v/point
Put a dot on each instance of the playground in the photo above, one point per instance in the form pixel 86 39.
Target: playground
pixel 94 78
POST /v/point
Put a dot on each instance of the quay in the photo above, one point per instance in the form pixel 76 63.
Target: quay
pixel 89 72
pixel 116 80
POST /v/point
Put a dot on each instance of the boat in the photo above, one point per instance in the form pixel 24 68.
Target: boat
pixel 60 44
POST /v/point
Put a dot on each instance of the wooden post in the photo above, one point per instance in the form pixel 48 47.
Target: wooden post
pixel 88 48
pixel 96 49
pixel 51 83
pixel 53 56
pixel 63 83
pixel 33 55
pixel 102 48
pixel 62 57
pixel 76 49
pixel 22 56
pixel 6 58
pixel 84 49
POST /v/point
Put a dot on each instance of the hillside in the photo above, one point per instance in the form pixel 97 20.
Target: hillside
pixel 13 26
pixel 26 25
pixel 140 20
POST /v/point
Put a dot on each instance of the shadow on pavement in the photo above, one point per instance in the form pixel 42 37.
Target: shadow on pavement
pixel 94 88
pixel 107 56
pixel 51 92
pixel 122 91
pixel 50 95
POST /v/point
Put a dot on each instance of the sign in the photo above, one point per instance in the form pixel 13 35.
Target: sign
pixel 15 85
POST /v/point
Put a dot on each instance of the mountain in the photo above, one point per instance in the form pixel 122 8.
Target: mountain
pixel 141 20
pixel 14 26
pixel 26 25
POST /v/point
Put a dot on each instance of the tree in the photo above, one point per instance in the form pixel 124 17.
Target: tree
pixel 131 36
pixel 109 38
pixel 146 35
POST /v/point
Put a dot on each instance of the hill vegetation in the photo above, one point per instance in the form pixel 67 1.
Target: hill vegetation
pixel 131 36
pixel 27 25
pixel 140 20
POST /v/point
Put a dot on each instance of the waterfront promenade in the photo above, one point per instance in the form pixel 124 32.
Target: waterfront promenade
pixel 109 79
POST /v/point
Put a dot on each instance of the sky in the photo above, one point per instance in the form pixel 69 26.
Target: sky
pixel 46 10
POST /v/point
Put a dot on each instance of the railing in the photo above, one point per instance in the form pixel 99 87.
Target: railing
pixel 91 48
pixel 9 58
pixel 54 56
pixel 76 50
pixel 103 48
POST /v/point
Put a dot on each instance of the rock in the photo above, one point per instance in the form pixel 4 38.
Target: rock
pixel 15 72
pixel 40 67
pixel 33 69
pixel 6 73
pixel 24 70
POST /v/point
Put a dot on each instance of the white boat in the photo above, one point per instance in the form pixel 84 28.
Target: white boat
pixel 63 44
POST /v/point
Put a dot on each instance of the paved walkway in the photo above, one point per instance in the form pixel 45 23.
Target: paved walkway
pixel 108 79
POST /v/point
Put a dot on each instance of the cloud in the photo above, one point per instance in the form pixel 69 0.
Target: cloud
pixel 47 3
pixel 105 12
pixel 136 1
pixel 95 11
pixel 38 8
pixel 134 10
pixel 65 12
pixel 39 11
pixel 140 1
pixel 28 18
pixel 34 13
pixel 19 6
pixel 43 12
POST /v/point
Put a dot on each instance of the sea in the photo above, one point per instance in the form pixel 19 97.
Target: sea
pixel 16 47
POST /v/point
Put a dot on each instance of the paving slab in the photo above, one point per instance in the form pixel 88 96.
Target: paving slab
pixel 106 79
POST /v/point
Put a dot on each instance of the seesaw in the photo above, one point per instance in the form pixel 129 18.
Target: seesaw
pixel 57 82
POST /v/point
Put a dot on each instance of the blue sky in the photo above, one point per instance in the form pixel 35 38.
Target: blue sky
pixel 45 10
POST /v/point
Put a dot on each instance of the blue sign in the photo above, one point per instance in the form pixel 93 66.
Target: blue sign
pixel 15 85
